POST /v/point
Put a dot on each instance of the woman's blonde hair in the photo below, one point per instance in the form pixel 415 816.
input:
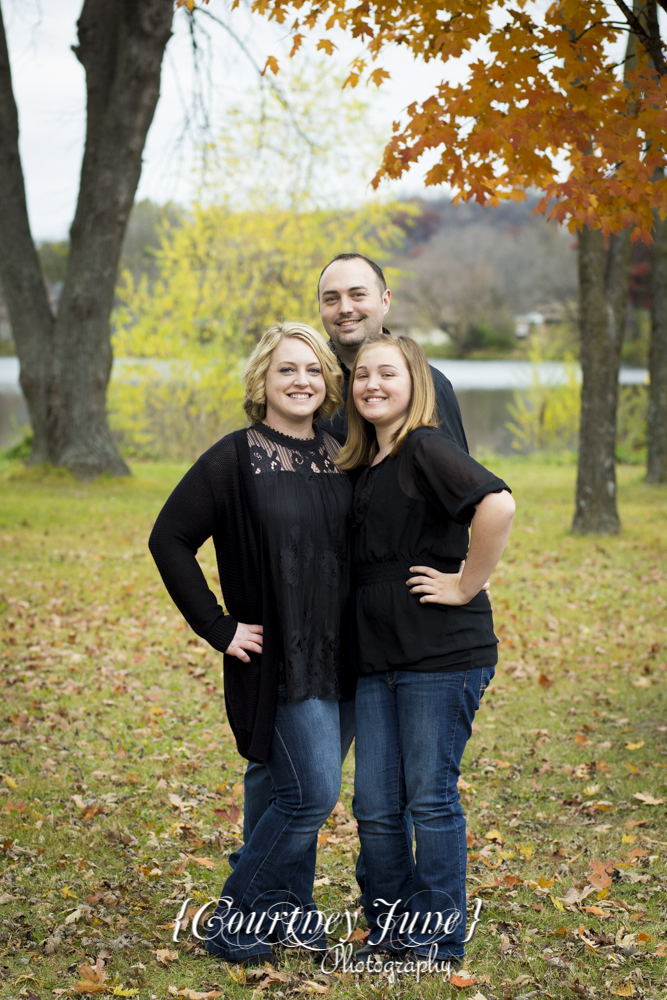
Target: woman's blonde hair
pixel 254 376
pixel 361 445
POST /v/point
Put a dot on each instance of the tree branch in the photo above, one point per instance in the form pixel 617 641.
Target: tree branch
pixel 650 39
pixel 265 80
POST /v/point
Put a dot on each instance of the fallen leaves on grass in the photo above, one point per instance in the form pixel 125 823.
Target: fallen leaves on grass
pixel 78 680
pixel 237 975
pixel 92 980
pixel 272 976
pixel 601 877
pixel 231 816
pixel 203 862
pixel 574 895
pixel 18 807
pixel 648 799
pixel 164 956
pixel 179 803
pixel 462 981
pixel 494 835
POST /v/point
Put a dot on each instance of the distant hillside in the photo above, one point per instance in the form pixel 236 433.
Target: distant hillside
pixel 469 271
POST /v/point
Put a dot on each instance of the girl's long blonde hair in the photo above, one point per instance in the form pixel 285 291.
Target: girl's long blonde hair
pixel 254 377
pixel 361 445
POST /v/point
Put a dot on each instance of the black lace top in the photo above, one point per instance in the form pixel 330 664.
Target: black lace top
pixel 304 503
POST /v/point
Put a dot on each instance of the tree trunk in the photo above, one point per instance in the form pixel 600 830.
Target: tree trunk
pixel 657 404
pixel 604 278
pixel 27 302
pixel 65 374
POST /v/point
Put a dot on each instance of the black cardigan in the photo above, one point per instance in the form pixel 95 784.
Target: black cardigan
pixel 217 498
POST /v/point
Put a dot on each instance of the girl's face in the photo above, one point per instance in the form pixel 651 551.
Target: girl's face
pixel 295 386
pixel 382 387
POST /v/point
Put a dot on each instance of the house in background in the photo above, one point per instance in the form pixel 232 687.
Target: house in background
pixel 528 324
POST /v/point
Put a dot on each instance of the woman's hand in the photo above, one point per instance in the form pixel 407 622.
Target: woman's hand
pixel 247 639
pixel 440 588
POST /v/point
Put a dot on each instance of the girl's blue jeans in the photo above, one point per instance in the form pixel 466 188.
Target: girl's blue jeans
pixel 411 730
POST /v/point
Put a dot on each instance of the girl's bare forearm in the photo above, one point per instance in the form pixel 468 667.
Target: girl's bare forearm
pixel 490 530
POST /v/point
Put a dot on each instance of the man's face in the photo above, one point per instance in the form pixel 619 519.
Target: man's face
pixel 352 303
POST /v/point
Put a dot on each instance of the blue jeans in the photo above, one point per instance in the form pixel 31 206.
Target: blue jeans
pixel 258 793
pixel 273 877
pixel 411 731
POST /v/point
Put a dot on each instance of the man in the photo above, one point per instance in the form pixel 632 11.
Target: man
pixel 353 301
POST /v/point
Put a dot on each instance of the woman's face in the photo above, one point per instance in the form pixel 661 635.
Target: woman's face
pixel 295 386
pixel 382 387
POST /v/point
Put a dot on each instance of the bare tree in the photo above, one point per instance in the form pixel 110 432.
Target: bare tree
pixel 479 269
pixel 66 358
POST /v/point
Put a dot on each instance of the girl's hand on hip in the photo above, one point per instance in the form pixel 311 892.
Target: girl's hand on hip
pixel 440 588
pixel 247 639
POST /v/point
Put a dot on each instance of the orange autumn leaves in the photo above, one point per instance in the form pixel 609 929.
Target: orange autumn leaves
pixel 544 86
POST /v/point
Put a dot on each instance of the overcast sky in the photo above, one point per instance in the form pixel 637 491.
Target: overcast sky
pixel 49 89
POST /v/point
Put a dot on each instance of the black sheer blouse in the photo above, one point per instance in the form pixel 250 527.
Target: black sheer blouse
pixel 304 504
pixel 412 510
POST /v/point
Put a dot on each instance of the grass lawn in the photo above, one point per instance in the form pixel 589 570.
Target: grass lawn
pixel 122 790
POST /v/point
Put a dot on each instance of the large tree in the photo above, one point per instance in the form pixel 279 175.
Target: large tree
pixel 66 358
pixel 545 86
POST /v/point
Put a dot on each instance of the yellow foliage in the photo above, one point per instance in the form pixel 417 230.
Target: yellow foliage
pixel 225 276
pixel 545 417
pixel 241 263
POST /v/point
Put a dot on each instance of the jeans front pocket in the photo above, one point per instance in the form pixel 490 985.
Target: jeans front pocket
pixel 487 675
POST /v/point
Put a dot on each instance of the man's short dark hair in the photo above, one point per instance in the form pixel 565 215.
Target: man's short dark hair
pixel 356 256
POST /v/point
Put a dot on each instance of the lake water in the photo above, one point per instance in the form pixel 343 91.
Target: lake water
pixel 484 390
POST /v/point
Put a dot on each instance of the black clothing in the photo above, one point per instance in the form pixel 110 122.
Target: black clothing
pixel 449 413
pixel 414 510
pixel 304 504
pixel 218 498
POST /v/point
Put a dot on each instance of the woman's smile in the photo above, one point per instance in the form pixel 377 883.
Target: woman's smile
pixel 294 387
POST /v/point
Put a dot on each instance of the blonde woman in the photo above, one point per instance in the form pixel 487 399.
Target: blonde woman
pixel 277 508
pixel 425 644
